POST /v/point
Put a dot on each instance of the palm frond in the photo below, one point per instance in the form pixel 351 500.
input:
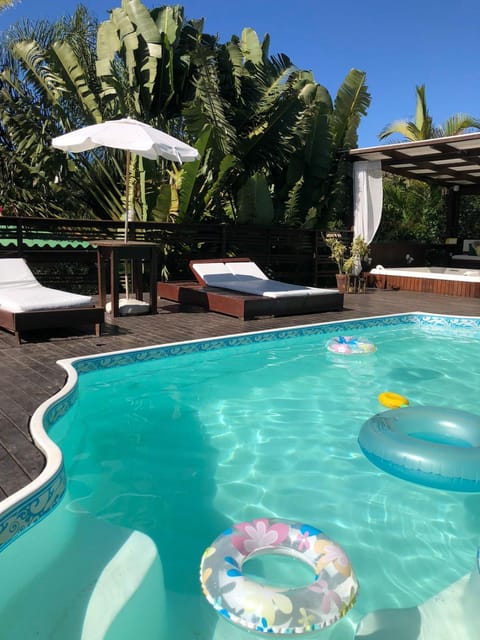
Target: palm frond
pixel 422 118
pixel 48 84
pixel 293 207
pixel 404 128
pixel 459 123
pixel 209 109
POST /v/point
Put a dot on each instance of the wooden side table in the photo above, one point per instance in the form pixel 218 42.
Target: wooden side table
pixel 110 253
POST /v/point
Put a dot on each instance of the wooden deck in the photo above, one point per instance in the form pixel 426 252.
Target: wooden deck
pixel 29 373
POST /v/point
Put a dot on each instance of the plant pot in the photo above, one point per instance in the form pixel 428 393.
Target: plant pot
pixel 353 284
pixel 341 282
pixel 347 283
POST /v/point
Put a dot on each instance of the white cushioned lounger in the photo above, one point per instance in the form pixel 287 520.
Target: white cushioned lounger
pixel 238 287
pixel 247 277
pixel 20 291
pixel 25 304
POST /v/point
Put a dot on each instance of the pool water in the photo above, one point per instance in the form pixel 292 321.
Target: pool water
pixel 163 455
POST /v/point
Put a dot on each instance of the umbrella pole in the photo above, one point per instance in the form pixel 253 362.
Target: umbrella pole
pixel 127 194
pixel 127 202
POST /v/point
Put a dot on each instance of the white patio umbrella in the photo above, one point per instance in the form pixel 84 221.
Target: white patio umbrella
pixel 133 137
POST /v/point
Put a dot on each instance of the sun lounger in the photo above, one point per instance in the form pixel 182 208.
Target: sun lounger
pixel 27 305
pixel 238 287
pixel 246 277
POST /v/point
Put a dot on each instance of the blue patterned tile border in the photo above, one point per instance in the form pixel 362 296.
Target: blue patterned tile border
pixel 59 408
pixel 30 510
pixel 84 365
pixel 44 496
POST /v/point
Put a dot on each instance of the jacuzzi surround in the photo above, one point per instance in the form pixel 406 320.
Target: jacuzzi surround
pixel 440 280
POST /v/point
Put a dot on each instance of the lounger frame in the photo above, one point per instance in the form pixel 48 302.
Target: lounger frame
pixel 19 322
pixel 242 305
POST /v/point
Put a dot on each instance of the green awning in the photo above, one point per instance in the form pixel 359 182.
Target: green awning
pixel 51 244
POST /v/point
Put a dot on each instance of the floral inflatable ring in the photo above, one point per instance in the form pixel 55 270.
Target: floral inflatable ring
pixel 277 610
pixel 351 345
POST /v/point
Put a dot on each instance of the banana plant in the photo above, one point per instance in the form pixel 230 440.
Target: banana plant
pixel 268 134
pixel 319 186
pixel 246 105
pixel 144 64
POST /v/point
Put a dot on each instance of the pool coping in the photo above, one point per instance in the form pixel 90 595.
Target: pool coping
pixel 33 502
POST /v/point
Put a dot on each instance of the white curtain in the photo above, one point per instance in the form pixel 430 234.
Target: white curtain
pixel 367 198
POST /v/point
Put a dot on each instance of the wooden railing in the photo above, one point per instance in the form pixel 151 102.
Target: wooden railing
pixel 62 252
pixel 53 246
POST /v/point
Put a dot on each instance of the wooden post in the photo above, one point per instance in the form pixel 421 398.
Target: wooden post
pixel 453 211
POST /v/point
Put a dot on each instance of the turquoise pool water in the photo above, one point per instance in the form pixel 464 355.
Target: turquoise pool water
pixel 163 454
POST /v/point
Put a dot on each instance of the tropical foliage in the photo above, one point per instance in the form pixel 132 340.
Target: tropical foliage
pixel 348 258
pixel 422 127
pixel 469 220
pixel 414 210
pixel 268 134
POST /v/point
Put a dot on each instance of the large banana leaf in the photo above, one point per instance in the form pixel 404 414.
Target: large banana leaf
pixel 318 141
pixel 168 21
pixel 190 174
pixel 352 101
pixel 251 47
pixel 140 16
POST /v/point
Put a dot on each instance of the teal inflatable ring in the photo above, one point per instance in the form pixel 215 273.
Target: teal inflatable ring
pixel 433 446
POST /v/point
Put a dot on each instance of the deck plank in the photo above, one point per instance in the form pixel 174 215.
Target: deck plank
pixel 29 373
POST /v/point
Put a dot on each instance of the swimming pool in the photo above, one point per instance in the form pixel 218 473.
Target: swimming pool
pixel 164 448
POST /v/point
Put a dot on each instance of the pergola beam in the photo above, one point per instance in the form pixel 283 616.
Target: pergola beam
pixel 450 161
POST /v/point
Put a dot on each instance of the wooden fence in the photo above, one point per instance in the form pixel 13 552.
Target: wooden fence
pixel 62 252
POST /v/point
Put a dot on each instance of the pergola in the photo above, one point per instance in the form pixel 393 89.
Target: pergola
pixel 452 162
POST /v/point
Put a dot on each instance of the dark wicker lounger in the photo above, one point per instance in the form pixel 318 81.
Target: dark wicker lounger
pixel 18 323
pixel 247 305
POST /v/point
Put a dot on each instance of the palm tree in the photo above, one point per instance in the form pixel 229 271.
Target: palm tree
pixel 422 128
pixel 412 209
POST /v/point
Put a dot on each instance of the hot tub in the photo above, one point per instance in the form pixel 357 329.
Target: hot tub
pixel 447 281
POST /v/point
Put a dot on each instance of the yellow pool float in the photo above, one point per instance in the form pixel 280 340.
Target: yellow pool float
pixel 392 400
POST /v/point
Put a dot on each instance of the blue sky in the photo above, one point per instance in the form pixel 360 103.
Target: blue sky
pixel 397 44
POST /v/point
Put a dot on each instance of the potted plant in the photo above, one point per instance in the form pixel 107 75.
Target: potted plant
pixel 348 259
pixel 359 253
